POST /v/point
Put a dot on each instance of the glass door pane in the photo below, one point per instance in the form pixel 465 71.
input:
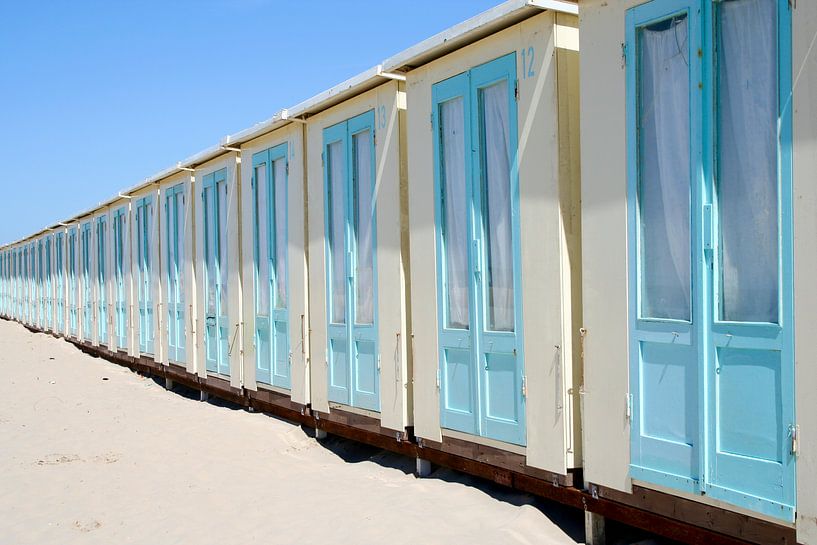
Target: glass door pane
pixel 337 230
pixel 747 160
pixel 262 240
pixel 279 184
pixel 496 217
pixel 454 213
pixel 664 171
pixel 362 190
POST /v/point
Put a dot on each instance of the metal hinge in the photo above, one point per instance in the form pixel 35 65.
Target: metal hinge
pixel 322 161
pixel 516 90
pixel 287 167
pixel 431 121
pixel 378 362
pixel 792 4
pixel 794 435
pixel 623 54
pixel 374 138
pixel 629 407
pixel 438 379
pixel 524 386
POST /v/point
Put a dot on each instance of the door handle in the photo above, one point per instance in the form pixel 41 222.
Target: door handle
pixel 709 235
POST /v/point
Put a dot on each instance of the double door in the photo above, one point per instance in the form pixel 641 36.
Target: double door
pixel 215 202
pixel 87 289
pixel 144 272
pixel 351 262
pixel 101 279
pixel 710 238
pixel 120 246
pixel 269 184
pixel 73 290
pixel 59 278
pixel 175 234
pixel 481 367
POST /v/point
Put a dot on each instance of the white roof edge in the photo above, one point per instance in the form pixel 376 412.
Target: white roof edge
pixel 470 30
pixel 351 86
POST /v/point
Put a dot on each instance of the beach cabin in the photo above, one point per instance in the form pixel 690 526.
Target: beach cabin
pixel 358 256
pixel 495 237
pixel 218 267
pixel 699 155
pixel 274 273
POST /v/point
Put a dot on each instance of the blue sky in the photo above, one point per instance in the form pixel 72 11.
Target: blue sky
pixel 96 95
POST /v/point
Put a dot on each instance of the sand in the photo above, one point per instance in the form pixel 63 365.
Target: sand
pixel 91 452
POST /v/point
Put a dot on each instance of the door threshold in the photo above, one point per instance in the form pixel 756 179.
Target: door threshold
pixel 355 410
pixel 486 441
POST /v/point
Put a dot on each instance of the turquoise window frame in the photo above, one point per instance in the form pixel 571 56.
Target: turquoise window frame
pixel 704 103
pixel 350 394
pixel 468 85
pixel 274 372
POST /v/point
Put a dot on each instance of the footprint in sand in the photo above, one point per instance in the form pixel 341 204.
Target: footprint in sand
pixel 107 458
pixel 87 526
pixel 57 459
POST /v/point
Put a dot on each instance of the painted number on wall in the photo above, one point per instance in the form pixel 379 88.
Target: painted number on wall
pixel 527 63
pixel 381 117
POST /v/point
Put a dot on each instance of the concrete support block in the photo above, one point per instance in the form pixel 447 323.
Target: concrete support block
pixel 594 529
pixel 423 467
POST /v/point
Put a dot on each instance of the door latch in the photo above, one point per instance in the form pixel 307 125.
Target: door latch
pixel 794 435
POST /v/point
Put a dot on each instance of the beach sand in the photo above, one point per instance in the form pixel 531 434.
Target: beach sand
pixel 91 452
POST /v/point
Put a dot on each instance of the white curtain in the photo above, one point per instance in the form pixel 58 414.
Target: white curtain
pixel 223 244
pixel 497 193
pixel 455 221
pixel 211 247
pixel 747 174
pixel 665 171
pixel 280 188
pixel 364 311
pixel 337 219
pixel 262 230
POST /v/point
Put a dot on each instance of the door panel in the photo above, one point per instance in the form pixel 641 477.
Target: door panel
pixel 144 243
pixel 215 202
pixel 712 348
pixel 102 300
pixel 175 214
pixel 351 258
pixel 478 249
pixel 120 309
pixel 269 181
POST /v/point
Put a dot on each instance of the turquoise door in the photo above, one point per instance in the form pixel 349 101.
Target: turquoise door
pixel 49 278
pixel 711 310
pixel 119 248
pixel 269 184
pixel 59 278
pixel 87 288
pixel 73 318
pixel 215 205
pixel 174 277
pixel 351 259
pixel 102 279
pixel 481 367
pixel 38 284
pixel 144 271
